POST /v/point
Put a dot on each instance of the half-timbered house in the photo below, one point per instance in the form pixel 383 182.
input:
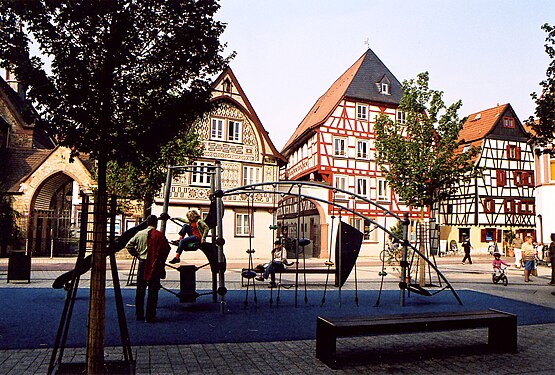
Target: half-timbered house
pixel 335 145
pixel 233 134
pixel 501 198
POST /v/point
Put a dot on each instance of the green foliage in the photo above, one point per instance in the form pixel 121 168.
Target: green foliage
pixel 125 76
pixel 420 158
pixel 10 232
pixel 144 178
pixel 543 125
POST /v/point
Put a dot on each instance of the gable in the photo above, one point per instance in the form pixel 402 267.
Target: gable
pixel 508 126
pixel 226 89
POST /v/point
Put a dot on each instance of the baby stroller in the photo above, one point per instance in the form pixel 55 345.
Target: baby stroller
pixel 498 275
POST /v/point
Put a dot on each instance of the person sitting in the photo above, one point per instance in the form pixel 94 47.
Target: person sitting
pixel 277 264
pixel 194 231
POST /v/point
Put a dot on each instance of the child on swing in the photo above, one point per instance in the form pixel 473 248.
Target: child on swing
pixel 194 231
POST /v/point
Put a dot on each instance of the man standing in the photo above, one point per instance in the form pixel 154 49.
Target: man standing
pixel 517 248
pixel 466 247
pixel 152 249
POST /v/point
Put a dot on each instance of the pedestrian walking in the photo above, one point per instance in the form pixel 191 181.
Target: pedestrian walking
pixel 151 247
pixel 529 255
pixel 465 244
pixel 517 248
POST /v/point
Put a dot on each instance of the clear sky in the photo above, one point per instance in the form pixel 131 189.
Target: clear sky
pixel 289 52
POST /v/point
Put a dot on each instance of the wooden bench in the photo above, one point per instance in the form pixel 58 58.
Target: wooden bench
pixel 502 330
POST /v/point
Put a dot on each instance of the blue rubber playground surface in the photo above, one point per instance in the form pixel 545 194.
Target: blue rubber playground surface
pixel 29 317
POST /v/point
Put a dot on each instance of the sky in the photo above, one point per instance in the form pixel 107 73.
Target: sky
pixel 289 52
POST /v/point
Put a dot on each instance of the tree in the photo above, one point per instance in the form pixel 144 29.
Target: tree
pixel 420 157
pixel 543 126
pixel 10 231
pixel 114 79
pixel 143 178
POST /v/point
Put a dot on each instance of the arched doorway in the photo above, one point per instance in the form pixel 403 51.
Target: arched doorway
pixel 52 222
pixel 310 220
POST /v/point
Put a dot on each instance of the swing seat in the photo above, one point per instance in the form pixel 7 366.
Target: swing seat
pixel 249 274
pixel 192 246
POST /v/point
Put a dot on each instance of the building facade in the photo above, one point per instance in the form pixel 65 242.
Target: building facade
pixel 38 178
pixel 500 201
pixel 232 134
pixel 335 145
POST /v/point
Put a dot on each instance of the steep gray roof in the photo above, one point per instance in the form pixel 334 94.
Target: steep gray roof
pixel 365 83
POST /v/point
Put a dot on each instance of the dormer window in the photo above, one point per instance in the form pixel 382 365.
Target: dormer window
pixel 384 86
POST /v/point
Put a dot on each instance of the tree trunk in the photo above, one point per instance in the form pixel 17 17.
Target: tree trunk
pixel 97 298
pixel 422 249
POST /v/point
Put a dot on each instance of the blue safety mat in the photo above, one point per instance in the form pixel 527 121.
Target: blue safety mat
pixel 29 317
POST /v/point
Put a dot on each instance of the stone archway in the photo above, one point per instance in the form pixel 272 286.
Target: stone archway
pixel 52 219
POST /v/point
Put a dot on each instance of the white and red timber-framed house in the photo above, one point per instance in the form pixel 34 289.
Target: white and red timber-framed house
pixel 501 199
pixel 232 134
pixel 335 145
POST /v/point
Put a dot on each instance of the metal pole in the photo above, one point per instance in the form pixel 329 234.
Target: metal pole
pixel 220 233
pixel 167 191
pixel 297 245
pixel 404 263
pixel 213 236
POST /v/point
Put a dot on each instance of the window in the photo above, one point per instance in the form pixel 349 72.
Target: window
pixel 489 205
pixel 227 85
pixel 383 194
pixel 362 112
pixel 340 183
pixel 551 168
pixel 362 187
pixel 508 122
pixel 242 226
pixel 234 131
pixel 384 88
pixel 513 152
pixel 509 206
pixel 401 117
pixel 217 129
pixel 501 177
pixel 464 233
pixel 339 147
pixel 251 175
pixel 522 178
pixel 199 175
pixel 362 149
pixel 526 207
pixel 361 225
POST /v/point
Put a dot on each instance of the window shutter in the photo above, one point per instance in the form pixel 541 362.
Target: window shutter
pixel 508 150
pixel 483 235
pixel 501 177
pixel 517 153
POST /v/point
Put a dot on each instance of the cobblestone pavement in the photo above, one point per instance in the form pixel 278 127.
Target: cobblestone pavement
pixel 459 352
